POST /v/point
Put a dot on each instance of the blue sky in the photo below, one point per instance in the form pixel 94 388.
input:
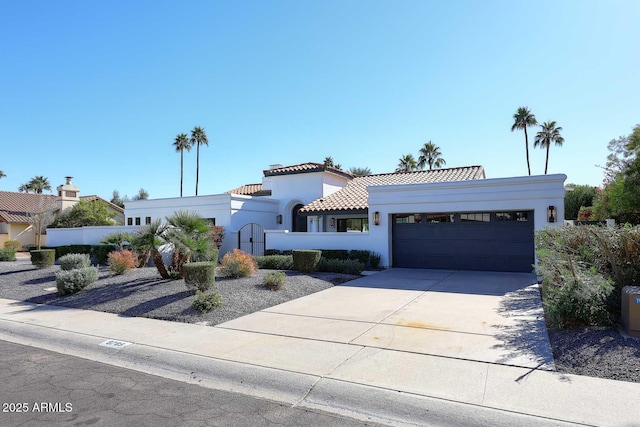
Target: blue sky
pixel 99 90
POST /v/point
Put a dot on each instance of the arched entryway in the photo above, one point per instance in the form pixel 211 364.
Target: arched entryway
pixel 251 239
pixel 298 222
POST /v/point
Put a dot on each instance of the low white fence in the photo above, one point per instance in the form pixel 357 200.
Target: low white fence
pixel 284 240
pixel 84 235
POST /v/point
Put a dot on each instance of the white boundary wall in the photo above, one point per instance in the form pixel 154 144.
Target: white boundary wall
pixel 84 235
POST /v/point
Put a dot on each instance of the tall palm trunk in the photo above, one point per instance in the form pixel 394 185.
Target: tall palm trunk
pixel 546 163
pixel 197 166
pixel 181 169
pixel 526 142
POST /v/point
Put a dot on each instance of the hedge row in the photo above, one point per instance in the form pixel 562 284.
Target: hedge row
pixel 370 259
pixel 99 253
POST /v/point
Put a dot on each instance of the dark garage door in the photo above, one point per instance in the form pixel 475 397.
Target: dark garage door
pixel 488 241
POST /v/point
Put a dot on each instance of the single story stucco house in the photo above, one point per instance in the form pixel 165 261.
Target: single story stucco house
pixel 452 218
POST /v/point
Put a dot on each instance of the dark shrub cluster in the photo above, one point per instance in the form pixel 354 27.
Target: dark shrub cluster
pixel 43 258
pixel 275 262
pixel 306 260
pixel 7 255
pixel 346 266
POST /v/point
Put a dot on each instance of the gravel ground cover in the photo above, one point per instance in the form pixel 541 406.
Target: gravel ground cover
pixel 595 351
pixel 141 292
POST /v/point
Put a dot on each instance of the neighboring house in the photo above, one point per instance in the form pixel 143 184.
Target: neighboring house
pixel 22 215
pixel 117 211
pixel 451 218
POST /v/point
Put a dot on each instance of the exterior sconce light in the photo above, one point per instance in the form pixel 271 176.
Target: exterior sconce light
pixel 333 223
pixel 376 218
pixel 551 214
pixel 279 219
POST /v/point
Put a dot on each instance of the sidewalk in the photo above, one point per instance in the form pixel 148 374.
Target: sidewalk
pixel 369 383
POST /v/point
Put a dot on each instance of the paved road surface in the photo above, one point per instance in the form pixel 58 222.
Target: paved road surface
pixel 57 389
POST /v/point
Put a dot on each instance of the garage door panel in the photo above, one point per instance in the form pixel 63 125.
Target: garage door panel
pixel 489 246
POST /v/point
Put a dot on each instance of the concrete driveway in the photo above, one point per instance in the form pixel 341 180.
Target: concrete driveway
pixel 477 316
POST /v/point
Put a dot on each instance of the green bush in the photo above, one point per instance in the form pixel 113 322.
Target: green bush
pixel 74 261
pixel 238 264
pixel 268 252
pixel 335 253
pixel 347 266
pixel 275 280
pixel 275 262
pixel 582 265
pixel 13 244
pixel 43 258
pixel 360 255
pixel 199 275
pixel 101 253
pixel 72 281
pixel 374 260
pixel 305 260
pixel 63 250
pixel 205 302
pixel 7 255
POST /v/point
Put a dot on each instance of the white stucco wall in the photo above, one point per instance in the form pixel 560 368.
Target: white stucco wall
pixel 214 206
pixel 284 240
pixel 83 235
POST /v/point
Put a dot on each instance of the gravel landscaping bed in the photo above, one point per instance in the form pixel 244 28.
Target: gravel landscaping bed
pixel 596 352
pixel 141 292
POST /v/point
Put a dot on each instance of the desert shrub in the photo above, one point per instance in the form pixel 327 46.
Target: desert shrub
pixel 7 255
pixel 101 253
pixel 43 258
pixel 199 275
pixel 363 256
pixel 374 260
pixel 582 265
pixel 335 253
pixel 13 244
pixel 72 281
pixel 121 261
pixel 238 264
pixel 305 260
pixel 275 262
pixel 205 302
pixel 73 261
pixel 346 266
pixel 275 280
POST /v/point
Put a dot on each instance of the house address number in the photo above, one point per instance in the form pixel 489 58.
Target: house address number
pixel 115 344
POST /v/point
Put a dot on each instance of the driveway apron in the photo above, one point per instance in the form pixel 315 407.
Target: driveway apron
pixel 489 317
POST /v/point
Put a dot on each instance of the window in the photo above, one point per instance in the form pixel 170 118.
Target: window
pixel 137 220
pixel 211 221
pixel 129 221
pixel 512 216
pixel 147 220
pixel 408 219
pixel 475 217
pixel 439 217
pixel 358 225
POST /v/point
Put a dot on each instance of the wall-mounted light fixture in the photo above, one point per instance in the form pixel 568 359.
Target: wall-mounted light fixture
pixel 551 214
pixel 376 218
pixel 279 219
pixel 333 223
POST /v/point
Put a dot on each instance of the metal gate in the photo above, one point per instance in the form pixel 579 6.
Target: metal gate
pixel 251 239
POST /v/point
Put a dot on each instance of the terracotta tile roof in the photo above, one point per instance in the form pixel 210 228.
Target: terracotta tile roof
pixel 250 190
pixel 16 207
pixel 305 168
pixel 96 197
pixel 355 195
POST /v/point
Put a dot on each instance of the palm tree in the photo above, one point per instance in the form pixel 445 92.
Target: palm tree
pixel 522 119
pixel 550 133
pixel 148 239
pixel 37 184
pixel 407 163
pixel 430 155
pixel 198 138
pixel 360 171
pixel 2 174
pixel 182 143
pixel 190 235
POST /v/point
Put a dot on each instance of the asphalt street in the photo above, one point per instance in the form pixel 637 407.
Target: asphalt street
pixel 43 388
